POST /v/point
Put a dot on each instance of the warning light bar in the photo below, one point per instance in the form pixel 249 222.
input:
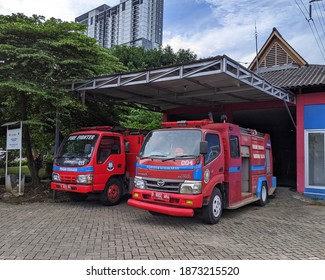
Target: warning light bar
pixel 101 128
pixel 187 123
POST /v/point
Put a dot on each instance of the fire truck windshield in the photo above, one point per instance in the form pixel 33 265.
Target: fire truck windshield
pixel 171 143
pixel 76 150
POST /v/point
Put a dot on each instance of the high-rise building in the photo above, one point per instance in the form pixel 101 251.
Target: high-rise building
pixel 132 22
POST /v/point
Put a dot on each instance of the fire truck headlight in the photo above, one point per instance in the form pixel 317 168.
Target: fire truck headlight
pixel 56 177
pixel 191 187
pixel 85 179
pixel 139 183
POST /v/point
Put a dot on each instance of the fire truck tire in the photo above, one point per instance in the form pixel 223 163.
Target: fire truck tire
pixel 112 193
pixel 76 197
pixel 212 212
pixel 263 199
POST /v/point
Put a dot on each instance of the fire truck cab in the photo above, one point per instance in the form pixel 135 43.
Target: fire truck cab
pixel 97 160
pixel 201 165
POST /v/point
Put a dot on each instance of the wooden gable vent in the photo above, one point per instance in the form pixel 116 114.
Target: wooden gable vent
pixel 276 52
pixel 276 56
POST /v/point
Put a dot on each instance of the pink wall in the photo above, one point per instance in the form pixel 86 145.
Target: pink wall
pixel 228 108
pixel 302 100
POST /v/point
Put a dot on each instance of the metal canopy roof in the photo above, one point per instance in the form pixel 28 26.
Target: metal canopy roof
pixel 215 81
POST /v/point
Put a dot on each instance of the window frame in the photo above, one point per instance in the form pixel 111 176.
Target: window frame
pixel 215 153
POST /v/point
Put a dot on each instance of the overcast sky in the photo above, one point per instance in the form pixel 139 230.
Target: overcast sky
pixel 212 27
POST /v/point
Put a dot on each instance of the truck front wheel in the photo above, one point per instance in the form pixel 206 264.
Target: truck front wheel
pixel 213 211
pixel 112 193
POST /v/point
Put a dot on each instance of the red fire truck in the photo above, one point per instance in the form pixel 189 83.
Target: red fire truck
pixel 205 166
pixel 97 160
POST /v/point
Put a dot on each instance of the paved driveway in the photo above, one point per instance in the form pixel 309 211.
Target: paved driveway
pixel 288 227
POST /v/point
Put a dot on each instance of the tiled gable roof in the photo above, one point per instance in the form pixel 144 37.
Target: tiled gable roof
pixel 276 52
pixel 291 77
pixel 282 66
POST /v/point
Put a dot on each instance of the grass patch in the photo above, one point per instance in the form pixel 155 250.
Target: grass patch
pixel 24 171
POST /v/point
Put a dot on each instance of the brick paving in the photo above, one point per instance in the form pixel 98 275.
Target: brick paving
pixel 288 227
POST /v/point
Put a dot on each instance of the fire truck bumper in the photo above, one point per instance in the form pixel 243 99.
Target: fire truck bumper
pixel 71 187
pixel 167 210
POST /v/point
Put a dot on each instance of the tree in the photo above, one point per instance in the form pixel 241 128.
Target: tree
pixel 38 57
pixel 141 118
pixel 138 58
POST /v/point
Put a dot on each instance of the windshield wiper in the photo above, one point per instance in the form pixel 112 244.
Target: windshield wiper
pixel 70 157
pixel 73 156
pixel 82 155
pixel 181 156
pixel 150 156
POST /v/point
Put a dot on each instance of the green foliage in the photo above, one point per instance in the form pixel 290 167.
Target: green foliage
pixel 138 58
pixel 38 58
pixel 143 119
pixel 16 162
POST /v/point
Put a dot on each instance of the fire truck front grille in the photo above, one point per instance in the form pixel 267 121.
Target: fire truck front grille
pixel 163 185
pixel 68 178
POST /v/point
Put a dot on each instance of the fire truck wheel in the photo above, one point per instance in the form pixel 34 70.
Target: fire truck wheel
pixel 213 211
pixel 263 198
pixel 77 196
pixel 112 194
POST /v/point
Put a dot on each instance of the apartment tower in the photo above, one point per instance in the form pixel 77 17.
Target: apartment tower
pixel 132 23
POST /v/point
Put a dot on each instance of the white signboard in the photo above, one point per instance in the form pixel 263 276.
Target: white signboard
pixel 14 139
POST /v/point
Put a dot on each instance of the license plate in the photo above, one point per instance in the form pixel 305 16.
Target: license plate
pixel 66 187
pixel 160 196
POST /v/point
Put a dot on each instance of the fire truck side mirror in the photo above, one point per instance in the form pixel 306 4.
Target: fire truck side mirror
pixel 127 147
pixel 204 147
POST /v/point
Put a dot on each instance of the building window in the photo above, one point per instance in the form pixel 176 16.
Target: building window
pixel 316 159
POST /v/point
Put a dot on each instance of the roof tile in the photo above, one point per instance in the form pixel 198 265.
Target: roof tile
pixel 309 75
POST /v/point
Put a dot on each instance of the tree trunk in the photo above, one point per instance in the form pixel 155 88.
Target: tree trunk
pixel 33 169
pixel 28 145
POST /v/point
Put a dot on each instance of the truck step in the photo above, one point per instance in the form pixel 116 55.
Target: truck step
pixel 243 202
pixel 246 194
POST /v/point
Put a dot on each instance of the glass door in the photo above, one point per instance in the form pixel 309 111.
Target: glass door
pixel 315 158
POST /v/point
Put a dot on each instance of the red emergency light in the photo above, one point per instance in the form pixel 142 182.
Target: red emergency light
pixel 100 128
pixel 187 123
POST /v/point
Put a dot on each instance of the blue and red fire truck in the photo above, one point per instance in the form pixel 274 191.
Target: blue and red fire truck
pixel 201 165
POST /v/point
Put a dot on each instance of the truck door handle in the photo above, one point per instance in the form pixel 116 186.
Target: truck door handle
pixel 221 169
pixel 119 165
